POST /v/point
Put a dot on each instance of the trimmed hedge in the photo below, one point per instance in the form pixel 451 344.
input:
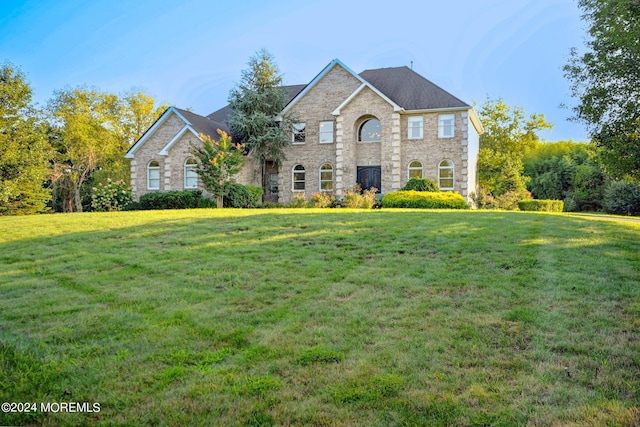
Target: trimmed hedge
pixel 255 193
pixel 186 199
pixel 421 184
pixel 242 196
pixel 424 200
pixel 541 205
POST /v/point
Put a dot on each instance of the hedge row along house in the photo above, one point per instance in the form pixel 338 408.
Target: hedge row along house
pixel 374 129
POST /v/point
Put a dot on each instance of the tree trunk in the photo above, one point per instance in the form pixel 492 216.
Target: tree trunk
pixel 77 198
pixel 219 202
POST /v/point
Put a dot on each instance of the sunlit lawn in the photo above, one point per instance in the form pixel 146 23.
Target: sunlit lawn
pixel 321 317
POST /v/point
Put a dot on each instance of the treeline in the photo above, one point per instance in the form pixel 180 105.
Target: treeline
pixel 52 157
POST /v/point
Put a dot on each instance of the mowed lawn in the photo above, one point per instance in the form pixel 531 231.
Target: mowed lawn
pixel 321 317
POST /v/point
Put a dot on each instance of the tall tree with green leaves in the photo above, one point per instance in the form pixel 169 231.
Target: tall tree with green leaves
pixel 509 133
pixel 605 79
pixel 24 150
pixel 217 163
pixel 256 103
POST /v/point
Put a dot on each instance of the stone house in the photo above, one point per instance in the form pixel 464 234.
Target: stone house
pixel 376 129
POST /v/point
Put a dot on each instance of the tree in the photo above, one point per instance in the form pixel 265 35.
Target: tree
pixel 606 81
pixel 508 135
pixel 24 150
pixel 92 132
pixel 256 103
pixel 218 162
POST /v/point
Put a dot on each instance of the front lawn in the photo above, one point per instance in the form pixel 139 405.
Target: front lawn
pixel 321 317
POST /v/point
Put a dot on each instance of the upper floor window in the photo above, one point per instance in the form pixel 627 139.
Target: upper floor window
pixel 415 169
pixel 298 178
pixel 299 133
pixel 445 175
pixel 153 175
pixel 191 173
pixel 415 127
pixel 370 131
pixel 446 123
pixel 326 132
pixel 326 177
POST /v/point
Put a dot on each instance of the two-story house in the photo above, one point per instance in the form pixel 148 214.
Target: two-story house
pixel 376 129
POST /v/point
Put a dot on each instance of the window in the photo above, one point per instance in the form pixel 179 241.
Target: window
pixel 273 183
pixel 298 178
pixel 415 127
pixel 326 177
pixel 326 132
pixel 445 175
pixel 153 175
pixel 190 173
pixel 415 169
pixel 299 133
pixel 446 124
pixel 370 131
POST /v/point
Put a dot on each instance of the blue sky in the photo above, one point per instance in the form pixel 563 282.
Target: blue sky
pixel 190 53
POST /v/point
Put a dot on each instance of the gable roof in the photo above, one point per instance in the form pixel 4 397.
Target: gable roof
pixel 410 90
pixel 222 115
pixel 194 123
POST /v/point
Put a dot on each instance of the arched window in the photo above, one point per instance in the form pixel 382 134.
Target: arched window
pixel 445 175
pixel 415 169
pixel 190 173
pixel 326 177
pixel 370 131
pixel 298 178
pixel 153 175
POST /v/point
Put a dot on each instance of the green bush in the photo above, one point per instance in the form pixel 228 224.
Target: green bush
pixel 186 199
pixel 622 198
pixel 424 200
pixel 238 197
pixel 207 203
pixel 112 196
pixel 421 184
pixel 541 205
pixel 255 194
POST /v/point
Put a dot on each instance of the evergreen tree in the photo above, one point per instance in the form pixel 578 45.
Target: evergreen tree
pixel 24 150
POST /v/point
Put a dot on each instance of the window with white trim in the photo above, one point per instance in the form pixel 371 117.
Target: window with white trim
pixel 416 126
pixel 326 177
pixel 153 175
pixel 190 173
pixel 415 169
pixel 299 133
pixel 446 125
pixel 445 175
pixel 326 132
pixel 298 178
pixel 370 131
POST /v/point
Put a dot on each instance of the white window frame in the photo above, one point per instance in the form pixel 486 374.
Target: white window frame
pixel 449 167
pixel 446 125
pixel 155 170
pixel 415 168
pixel 325 181
pixel 415 123
pixel 325 136
pixel 295 181
pixel 190 173
pixel 299 132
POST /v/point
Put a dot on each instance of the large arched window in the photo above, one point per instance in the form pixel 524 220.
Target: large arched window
pixel 191 173
pixel 326 177
pixel 298 178
pixel 445 175
pixel 153 175
pixel 370 131
pixel 415 169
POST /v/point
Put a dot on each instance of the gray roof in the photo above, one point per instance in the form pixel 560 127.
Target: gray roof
pixel 410 90
pixel 204 125
pixel 222 114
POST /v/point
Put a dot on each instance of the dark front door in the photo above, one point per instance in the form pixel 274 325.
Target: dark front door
pixel 270 184
pixel 369 176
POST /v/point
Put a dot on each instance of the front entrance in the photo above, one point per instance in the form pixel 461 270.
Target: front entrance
pixel 369 176
pixel 270 183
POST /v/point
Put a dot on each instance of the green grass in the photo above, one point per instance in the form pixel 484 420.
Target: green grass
pixel 321 317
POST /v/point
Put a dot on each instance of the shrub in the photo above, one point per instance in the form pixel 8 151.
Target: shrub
pixel 238 197
pixel 321 200
pixel 255 194
pixel 541 205
pixel 207 203
pixel 112 196
pixel 186 199
pixel 421 184
pixel 622 198
pixel 356 198
pixel 271 205
pixel 424 200
pixel 299 201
